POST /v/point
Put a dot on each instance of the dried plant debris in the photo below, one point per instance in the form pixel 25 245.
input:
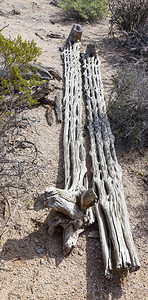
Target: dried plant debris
pixel 128 107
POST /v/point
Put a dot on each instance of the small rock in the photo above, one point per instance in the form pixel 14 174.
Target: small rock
pixel 39 250
pixel 41 261
pixel 91 274
pixel 2 261
pixel 52 22
pixel 80 252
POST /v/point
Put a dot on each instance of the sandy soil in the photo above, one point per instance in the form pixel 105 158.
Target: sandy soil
pixel 32 263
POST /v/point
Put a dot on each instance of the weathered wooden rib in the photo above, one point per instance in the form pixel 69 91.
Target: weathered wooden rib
pixel 70 207
pixel 116 238
pixel 58 107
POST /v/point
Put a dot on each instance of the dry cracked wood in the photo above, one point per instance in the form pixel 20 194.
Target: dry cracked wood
pixel 69 210
pixel 71 207
pixel 74 151
pixel 116 238
pixel 58 107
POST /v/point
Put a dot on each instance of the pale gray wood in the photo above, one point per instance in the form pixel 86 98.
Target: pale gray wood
pixel 71 207
pixel 61 200
pixel 111 211
pixel 74 36
pixel 43 72
pixel 70 238
pixel 68 210
pixel 74 151
pixel 70 203
pixel 58 107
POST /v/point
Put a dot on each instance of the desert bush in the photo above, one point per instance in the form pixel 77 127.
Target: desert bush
pixel 15 86
pixel 128 15
pixel 84 9
pixel 18 155
pixel 128 107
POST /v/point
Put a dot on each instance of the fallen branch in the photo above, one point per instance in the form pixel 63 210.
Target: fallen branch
pixel 58 107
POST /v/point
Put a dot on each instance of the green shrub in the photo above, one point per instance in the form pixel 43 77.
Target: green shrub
pixel 15 86
pixel 128 107
pixel 84 9
pixel 128 15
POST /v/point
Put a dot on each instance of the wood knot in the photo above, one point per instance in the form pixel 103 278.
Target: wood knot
pixel 88 199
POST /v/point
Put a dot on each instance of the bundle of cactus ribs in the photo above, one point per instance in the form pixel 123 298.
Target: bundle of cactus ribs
pixel 98 197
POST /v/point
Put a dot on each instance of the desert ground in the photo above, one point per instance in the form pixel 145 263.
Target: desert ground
pixel 32 263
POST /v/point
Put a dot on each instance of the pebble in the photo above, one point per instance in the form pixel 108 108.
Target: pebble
pixel 42 261
pixel 2 261
pixel 91 274
pixel 80 252
pixel 39 250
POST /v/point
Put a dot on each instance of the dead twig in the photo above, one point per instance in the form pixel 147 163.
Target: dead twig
pixel 4 27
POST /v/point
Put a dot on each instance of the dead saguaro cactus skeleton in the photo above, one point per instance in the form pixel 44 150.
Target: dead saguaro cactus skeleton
pixel 71 208
pixel 115 234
